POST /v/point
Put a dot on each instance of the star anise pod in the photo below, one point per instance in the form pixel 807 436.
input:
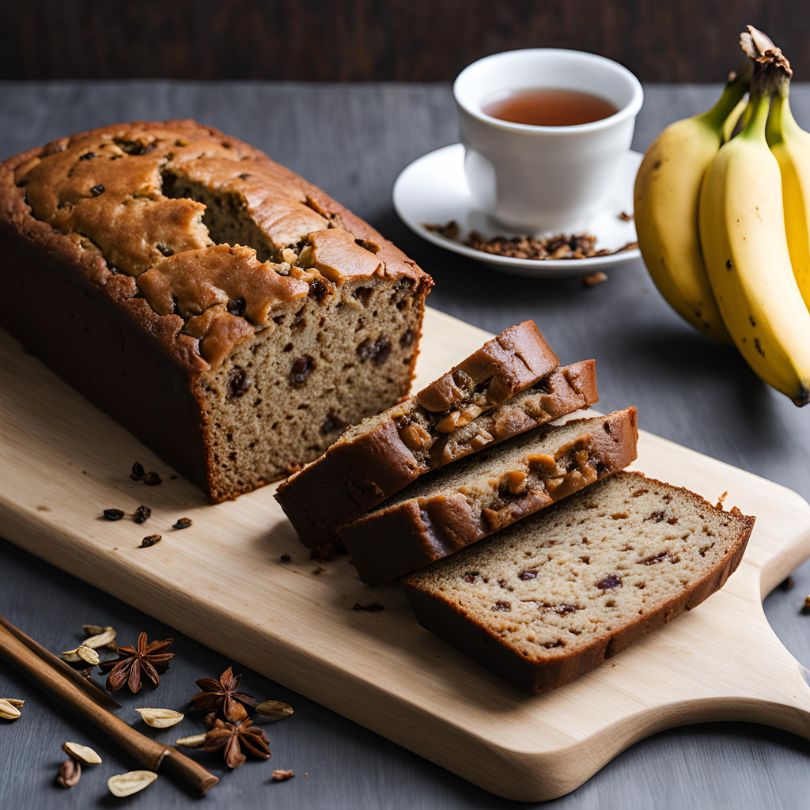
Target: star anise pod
pixel 220 695
pixel 145 659
pixel 236 736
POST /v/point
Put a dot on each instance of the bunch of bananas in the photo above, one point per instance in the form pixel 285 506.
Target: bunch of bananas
pixel 722 209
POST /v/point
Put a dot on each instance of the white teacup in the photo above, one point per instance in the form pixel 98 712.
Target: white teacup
pixel 544 178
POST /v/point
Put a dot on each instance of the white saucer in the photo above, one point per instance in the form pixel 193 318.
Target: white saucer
pixel 433 190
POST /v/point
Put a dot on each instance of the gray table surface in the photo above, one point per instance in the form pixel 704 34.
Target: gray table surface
pixel 353 140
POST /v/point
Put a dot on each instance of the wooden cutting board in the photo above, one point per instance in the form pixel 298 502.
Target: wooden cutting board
pixel 222 582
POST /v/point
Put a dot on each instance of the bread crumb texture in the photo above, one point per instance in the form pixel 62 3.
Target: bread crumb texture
pixel 590 567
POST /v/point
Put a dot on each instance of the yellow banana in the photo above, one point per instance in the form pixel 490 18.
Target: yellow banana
pixel 790 145
pixel 666 196
pixel 742 233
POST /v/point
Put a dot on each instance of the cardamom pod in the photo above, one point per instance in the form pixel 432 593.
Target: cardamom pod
pixel 97 630
pixel 275 709
pixel 195 741
pixel 160 718
pixel 81 653
pixel 103 639
pixel 81 753
pixel 8 711
pixel 125 784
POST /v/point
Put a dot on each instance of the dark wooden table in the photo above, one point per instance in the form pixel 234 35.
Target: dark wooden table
pixel 353 140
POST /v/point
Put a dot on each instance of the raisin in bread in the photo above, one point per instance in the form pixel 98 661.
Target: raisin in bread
pixel 487 492
pixel 554 596
pixel 229 313
pixel 500 390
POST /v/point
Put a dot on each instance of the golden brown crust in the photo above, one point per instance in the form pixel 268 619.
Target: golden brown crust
pixel 95 202
pixel 410 534
pixel 509 362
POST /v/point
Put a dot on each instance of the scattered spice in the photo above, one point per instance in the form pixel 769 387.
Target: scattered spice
pixel 195 741
pixel 146 658
pixel 559 246
pixel 625 217
pixel 285 558
pixel 97 630
pixel 8 711
pixel 113 514
pixel 69 773
pixel 125 784
pixel 721 499
pixel 787 584
pixel 81 653
pixel 806 605
pixel 371 607
pixel 104 638
pixel 160 718
pixel 593 279
pixel 236 736
pixel 275 709
pixel 220 694
pixel 138 472
pixel 83 754
pixel 150 540
pixel 280 775
pixel 142 514
pixel 152 479
pixel 319 570
pixel 182 523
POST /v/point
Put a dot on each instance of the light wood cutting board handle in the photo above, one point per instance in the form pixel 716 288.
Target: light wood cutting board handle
pixel 145 751
pixel 788 705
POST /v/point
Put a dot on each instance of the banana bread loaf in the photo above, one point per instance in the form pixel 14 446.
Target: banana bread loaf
pixel 230 314
pixel 477 497
pixel 450 418
pixel 555 595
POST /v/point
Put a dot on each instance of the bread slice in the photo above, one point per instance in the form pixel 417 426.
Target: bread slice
pixel 383 454
pixel 478 496
pixel 554 596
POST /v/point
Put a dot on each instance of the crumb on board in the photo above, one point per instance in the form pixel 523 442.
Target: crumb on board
pixel 371 607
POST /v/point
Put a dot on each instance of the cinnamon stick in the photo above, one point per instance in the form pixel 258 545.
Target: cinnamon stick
pixel 143 750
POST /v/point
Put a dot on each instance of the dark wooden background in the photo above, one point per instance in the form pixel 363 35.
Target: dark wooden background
pixel 372 40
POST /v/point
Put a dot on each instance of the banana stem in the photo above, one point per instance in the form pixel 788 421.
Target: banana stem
pixel 759 106
pixel 735 89
pixel 780 121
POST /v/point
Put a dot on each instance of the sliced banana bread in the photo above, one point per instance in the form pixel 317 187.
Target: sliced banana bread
pixel 230 314
pixel 554 596
pixel 381 455
pixel 482 494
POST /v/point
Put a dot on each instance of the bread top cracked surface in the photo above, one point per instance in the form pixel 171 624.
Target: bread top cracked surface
pixel 201 238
